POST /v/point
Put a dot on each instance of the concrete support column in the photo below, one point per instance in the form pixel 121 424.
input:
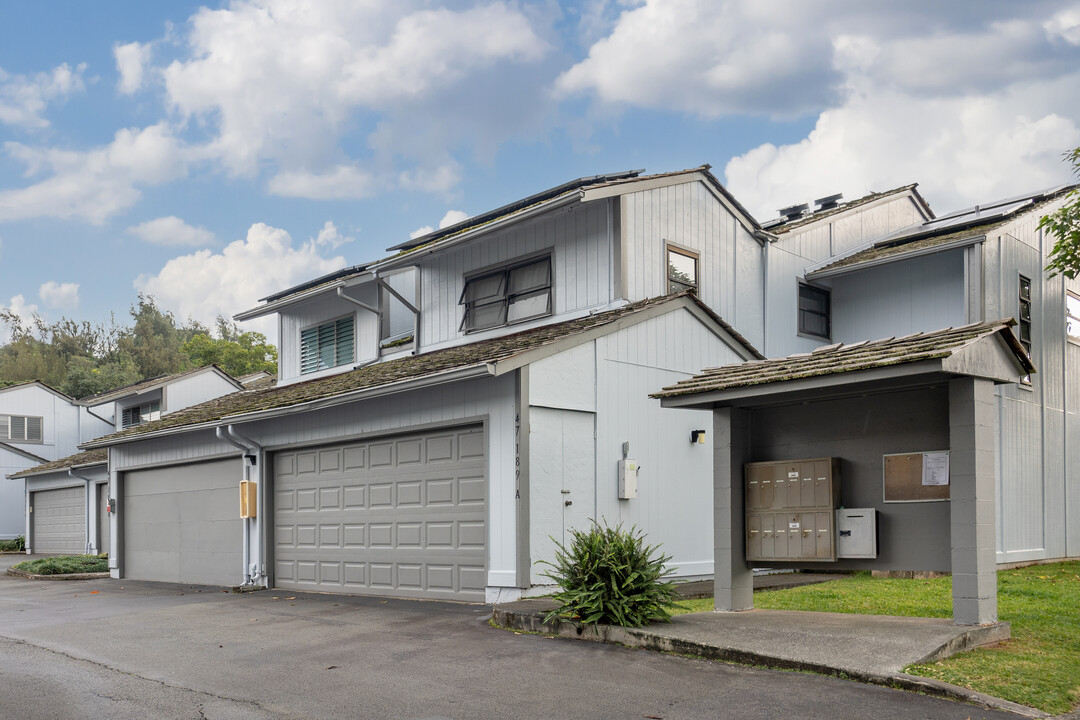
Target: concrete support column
pixel 972 429
pixel 733 581
pixel 116 525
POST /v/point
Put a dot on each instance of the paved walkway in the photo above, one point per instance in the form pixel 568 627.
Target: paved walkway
pixel 870 648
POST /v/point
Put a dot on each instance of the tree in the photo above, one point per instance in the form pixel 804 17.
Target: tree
pixel 1064 224
pixel 237 353
pixel 155 342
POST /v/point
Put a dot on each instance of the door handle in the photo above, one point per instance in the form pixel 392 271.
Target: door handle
pixel 568 503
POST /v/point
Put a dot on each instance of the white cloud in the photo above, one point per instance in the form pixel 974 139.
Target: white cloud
pixel 331 237
pixel 96 184
pixel 60 296
pixel 438 179
pixel 282 81
pixel 131 61
pixel 171 230
pixel 205 284
pixel 23 99
pixel 452 217
pixel 344 182
pixel 1066 25
pixel 23 310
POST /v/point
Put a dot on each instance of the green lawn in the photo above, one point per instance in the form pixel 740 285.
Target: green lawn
pixel 65 564
pixel 1038 667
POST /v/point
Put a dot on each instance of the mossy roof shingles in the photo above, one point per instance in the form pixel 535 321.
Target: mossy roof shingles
pixel 834 359
pixel 393 371
pixel 82 459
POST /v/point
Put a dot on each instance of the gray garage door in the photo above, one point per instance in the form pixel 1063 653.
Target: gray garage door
pixel 59 521
pixel 401 516
pixel 182 524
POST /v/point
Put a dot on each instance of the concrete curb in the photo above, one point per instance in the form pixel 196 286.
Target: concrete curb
pixel 68 576
pixel 532 621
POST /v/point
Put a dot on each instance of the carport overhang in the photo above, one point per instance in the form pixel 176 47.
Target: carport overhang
pixel 968 375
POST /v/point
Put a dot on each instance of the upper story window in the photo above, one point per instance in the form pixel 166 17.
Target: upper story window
pixel 20 428
pixel 814 311
pixel 1024 318
pixel 511 294
pixel 139 414
pixel 327 345
pixel 681 270
pixel 1072 317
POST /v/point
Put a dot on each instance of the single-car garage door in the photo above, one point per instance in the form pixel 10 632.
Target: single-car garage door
pixel 59 521
pixel 182 524
pixel 403 516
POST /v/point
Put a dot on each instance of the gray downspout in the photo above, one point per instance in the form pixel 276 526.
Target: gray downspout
pixel 222 434
pixel 87 484
pixel 256 451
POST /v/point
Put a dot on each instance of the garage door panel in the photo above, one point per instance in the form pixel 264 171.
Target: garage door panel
pixel 404 516
pixel 59 520
pixel 182 524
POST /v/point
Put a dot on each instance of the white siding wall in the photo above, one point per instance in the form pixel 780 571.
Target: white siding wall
pixel 491 398
pixel 318 310
pixel 194 389
pixel 730 264
pixel 579 238
pixel 614 375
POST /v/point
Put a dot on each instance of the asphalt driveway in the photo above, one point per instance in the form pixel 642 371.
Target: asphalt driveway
pixel 105 648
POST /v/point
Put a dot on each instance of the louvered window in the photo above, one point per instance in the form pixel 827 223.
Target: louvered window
pixel 327 345
pixel 139 414
pixel 514 293
pixel 20 428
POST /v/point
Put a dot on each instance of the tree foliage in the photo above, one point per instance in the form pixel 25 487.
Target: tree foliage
pixel 80 359
pixel 1064 225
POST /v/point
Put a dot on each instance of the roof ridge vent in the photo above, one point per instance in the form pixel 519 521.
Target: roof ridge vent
pixel 828 202
pixel 794 212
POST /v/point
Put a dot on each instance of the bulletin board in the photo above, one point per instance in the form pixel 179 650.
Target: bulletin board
pixel 916 477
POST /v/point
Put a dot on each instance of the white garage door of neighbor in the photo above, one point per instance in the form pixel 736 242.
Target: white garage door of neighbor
pixel 182 524
pixel 402 515
pixel 59 521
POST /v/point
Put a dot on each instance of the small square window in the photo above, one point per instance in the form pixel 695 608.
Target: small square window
pixel 682 272
pixel 814 318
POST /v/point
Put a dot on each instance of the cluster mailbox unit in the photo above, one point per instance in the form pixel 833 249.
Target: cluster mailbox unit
pixel 790 510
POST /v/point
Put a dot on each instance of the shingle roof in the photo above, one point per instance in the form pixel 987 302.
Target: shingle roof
pixel 840 358
pixel 843 207
pixel 88 457
pixel 403 369
pixel 143 385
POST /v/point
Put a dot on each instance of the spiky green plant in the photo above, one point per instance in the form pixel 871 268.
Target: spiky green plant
pixel 608 575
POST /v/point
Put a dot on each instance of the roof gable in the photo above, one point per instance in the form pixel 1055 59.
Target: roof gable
pixel 144 386
pixel 37 383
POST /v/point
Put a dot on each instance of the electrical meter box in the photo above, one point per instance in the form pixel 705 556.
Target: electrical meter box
pixel 248 499
pixel 628 479
pixel 790 508
pixel 856 533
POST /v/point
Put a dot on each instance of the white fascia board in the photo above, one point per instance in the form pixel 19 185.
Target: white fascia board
pixel 468 372
pixel 277 305
pixel 707 399
pixel 931 250
pixel 411 257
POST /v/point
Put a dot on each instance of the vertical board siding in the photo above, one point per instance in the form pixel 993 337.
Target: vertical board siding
pixel 491 398
pixel 195 389
pixel 580 271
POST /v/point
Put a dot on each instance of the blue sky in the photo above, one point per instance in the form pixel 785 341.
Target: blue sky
pixel 211 154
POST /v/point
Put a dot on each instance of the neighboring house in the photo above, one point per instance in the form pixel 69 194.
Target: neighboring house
pixel 378 476
pixel 37 424
pixel 66 493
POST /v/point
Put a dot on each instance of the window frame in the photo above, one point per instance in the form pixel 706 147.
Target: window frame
pixel 26 424
pixel 670 248
pixel 503 296
pixel 1074 339
pixel 1024 302
pixel 152 408
pixel 318 328
pixel 800 328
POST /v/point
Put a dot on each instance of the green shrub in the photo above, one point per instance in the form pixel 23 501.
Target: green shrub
pixel 608 575
pixel 65 565
pixel 16 545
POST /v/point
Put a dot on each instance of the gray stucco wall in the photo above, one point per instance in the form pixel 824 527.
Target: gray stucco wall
pixel 911 536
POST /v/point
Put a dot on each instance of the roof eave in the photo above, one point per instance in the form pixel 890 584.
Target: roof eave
pixel 828 271
pixel 23 475
pixel 277 305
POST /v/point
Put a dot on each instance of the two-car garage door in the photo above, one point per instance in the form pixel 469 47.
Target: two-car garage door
pixel 402 516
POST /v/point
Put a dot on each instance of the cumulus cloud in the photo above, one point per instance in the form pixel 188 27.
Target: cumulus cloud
pixel 452 217
pixel 171 230
pixel 60 296
pixel 344 182
pixel 22 310
pixel 331 237
pixel 24 98
pixel 131 61
pixel 205 284
pixel 93 185
pixel 281 80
